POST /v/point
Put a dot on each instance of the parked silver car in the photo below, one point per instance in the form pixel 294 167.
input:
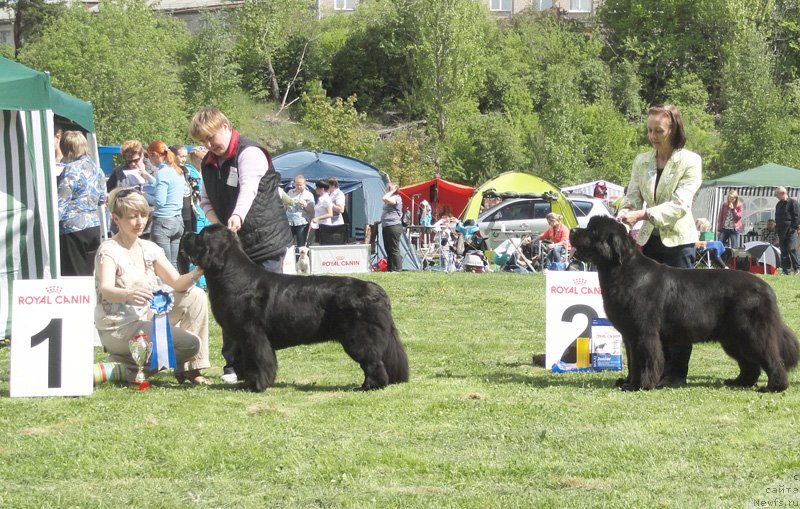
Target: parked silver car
pixel 515 216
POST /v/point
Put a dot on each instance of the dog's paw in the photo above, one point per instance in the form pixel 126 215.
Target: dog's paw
pixel 774 388
pixel 735 382
pixel 629 387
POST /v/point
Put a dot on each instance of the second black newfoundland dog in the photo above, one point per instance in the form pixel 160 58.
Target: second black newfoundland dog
pixel 650 304
pixel 265 312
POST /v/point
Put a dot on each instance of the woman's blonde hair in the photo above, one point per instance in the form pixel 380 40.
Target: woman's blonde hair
pixel 131 148
pixel 702 224
pixel 73 145
pixel 206 123
pixel 124 200
pixel 735 195
pixel 554 217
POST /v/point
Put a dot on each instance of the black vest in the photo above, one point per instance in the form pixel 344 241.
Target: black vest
pixel 265 231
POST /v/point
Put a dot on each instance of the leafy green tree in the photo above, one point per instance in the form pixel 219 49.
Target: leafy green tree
pixel 337 123
pixel 786 39
pixel 611 144
pixel 406 156
pixel 31 18
pixel 752 126
pixel 511 78
pixel 265 28
pixel 626 88
pixel 124 60
pixel 211 74
pixel 373 62
pixel 486 146
pixel 448 56
pixel 666 36
pixel 565 143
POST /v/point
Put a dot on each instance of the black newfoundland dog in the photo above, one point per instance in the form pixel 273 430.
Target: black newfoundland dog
pixel 650 304
pixel 265 312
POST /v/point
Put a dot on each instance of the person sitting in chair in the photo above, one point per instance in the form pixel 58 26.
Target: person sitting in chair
pixel 706 246
pixel 770 233
pixel 509 256
pixel 558 234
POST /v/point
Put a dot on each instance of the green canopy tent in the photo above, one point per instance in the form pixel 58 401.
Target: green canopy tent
pixel 755 186
pixel 29 106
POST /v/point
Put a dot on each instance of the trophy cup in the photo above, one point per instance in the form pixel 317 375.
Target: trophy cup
pixel 140 349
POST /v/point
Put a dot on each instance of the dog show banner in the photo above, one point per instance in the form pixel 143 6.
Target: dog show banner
pixel 573 299
pixel 342 259
pixel 52 336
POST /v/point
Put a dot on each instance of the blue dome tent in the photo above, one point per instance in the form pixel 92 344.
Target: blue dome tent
pixel 363 184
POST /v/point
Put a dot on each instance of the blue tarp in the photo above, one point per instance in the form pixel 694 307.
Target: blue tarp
pixel 362 182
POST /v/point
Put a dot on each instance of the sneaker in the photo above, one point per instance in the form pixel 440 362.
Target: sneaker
pixel 230 378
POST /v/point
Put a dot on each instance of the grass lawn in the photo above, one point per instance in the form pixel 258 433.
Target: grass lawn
pixel 477 426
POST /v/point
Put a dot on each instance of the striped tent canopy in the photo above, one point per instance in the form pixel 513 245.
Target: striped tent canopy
pixel 756 188
pixel 29 106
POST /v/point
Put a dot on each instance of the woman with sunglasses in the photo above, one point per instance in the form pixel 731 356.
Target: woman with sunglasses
pixel 127 272
pixel 663 183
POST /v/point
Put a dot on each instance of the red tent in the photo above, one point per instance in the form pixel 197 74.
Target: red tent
pixel 443 196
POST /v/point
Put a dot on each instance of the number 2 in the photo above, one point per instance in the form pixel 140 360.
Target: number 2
pixel 569 315
pixel 52 332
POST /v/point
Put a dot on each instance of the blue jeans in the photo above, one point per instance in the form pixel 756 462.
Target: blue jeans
pixel 729 236
pixel 554 255
pixel 167 232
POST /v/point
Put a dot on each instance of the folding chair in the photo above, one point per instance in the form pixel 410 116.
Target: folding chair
pixel 710 256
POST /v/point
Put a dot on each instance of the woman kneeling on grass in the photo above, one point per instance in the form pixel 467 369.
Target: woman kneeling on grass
pixel 127 272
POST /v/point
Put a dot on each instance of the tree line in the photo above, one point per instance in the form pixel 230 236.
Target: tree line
pixel 420 87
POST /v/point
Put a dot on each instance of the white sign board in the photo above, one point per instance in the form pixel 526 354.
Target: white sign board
pixel 52 336
pixel 344 259
pixel 572 300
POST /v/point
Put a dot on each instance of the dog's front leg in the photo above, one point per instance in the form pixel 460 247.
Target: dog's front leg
pixel 622 382
pixel 260 363
pixel 650 357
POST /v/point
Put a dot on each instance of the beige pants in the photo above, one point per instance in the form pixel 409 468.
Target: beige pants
pixel 188 322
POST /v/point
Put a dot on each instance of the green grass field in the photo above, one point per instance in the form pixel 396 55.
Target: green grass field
pixel 477 426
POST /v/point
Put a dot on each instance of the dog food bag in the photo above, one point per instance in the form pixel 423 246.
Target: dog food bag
pixel 606 346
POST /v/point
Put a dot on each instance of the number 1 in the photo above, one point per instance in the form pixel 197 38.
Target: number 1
pixel 53 333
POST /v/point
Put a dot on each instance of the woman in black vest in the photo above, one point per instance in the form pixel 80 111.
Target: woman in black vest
pixel 241 190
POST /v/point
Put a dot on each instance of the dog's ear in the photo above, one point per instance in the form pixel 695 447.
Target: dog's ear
pixel 620 244
pixel 211 247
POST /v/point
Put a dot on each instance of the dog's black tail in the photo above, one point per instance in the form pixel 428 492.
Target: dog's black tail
pixel 395 360
pixel 789 348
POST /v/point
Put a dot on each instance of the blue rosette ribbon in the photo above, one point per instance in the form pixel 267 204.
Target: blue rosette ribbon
pixel 163 353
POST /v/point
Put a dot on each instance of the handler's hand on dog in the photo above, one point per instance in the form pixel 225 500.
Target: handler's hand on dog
pixel 235 223
pixel 632 217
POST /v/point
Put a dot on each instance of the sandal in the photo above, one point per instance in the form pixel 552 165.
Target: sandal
pixel 193 377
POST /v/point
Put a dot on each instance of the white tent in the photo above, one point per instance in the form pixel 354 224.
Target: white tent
pixel 614 191
pixel 756 188
pixel 29 224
